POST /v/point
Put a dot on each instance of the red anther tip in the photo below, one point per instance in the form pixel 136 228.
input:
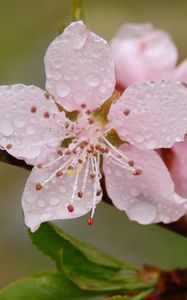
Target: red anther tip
pixel 46 115
pixel 90 221
pixel 80 194
pixel 131 163
pixel 8 146
pixel 70 208
pixel 137 172
pixel 38 186
pixel 59 173
pixel 39 166
pixel 126 112
pixel 33 109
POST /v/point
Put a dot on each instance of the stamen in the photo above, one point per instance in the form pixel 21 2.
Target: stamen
pixel 80 194
pixel 8 146
pixel 126 112
pixel 137 172
pixel 131 163
pixel 115 149
pixel 40 166
pixel 59 173
pixel 47 115
pixel 70 208
pixel 38 186
pixel 33 109
pixel 90 221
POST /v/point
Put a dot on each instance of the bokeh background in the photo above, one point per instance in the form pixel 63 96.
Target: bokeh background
pixel 26 29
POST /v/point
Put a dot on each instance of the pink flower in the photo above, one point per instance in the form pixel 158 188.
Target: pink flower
pixel 141 52
pixel 68 155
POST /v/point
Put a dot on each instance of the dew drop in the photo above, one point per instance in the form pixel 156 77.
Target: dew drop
pixel 143 212
pixel 54 201
pixel 41 203
pixel 63 90
pixel 79 39
pixel 19 122
pixel 135 192
pixel 139 138
pixel 151 144
pixel 30 130
pixel 93 79
pixel 6 128
pixel 62 189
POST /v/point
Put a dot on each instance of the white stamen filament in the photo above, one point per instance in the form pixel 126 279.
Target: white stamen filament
pixel 115 149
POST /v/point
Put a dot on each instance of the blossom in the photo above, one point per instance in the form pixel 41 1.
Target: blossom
pixel 65 133
pixel 141 52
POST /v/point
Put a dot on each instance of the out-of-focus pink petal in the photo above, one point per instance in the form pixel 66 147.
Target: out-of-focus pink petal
pixel 181 72
pixel 141 52
pixel 79 69
pixel 51 202
pixel 151 115
pixel 27 121
pixel 178 168
pixel 147 198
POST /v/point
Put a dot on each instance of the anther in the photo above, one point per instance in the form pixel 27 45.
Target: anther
pixel 98 147
pixel 91 121
pixel 98 193
pixel 83 144
pixel 137 172
pixel 80 161
pixel 33 109
pixel 83 105
pixel 47 95
pixel 126 112
pixel 131 163
pixel 92 176
pixel 59 152
pixel 46 115
pixel 9 146
pixel 90 221
pixel 38 186
pixel 39 166
pixel 70 208
pixel 70 168
pixel 59 173
pixel 80 194
pixel 68 152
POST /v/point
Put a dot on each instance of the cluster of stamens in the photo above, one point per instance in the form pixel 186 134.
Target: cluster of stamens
pixel 86 152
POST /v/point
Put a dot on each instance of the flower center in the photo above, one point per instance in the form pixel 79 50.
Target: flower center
pixel 82 158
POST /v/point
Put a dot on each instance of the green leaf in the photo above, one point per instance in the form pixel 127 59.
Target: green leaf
pixel 86 266
pixel 46 286
pixel 57 239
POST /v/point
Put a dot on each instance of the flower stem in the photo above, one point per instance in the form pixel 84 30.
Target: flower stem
pixel 78 10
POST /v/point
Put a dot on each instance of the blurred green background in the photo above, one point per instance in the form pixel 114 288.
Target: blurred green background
pixel 26 29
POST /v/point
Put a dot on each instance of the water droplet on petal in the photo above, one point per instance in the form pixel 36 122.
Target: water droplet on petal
pixel 30 130
pixel 135 192
pixel 63 90
pixel 79 39
pixel 54 201
pixel 6 128
pixel 62 189
pixel 143 212
pixel 41 203
pixel 19 122
pixel 139 138
pixel 151 144
pixel 93 79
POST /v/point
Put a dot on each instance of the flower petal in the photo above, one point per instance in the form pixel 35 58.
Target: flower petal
pixel 27 121
pixel 52 200
pixel 181 72
pixel 141 52
pixel 178 168
pixel 151 115
pixel 79 69
pixel 147 198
